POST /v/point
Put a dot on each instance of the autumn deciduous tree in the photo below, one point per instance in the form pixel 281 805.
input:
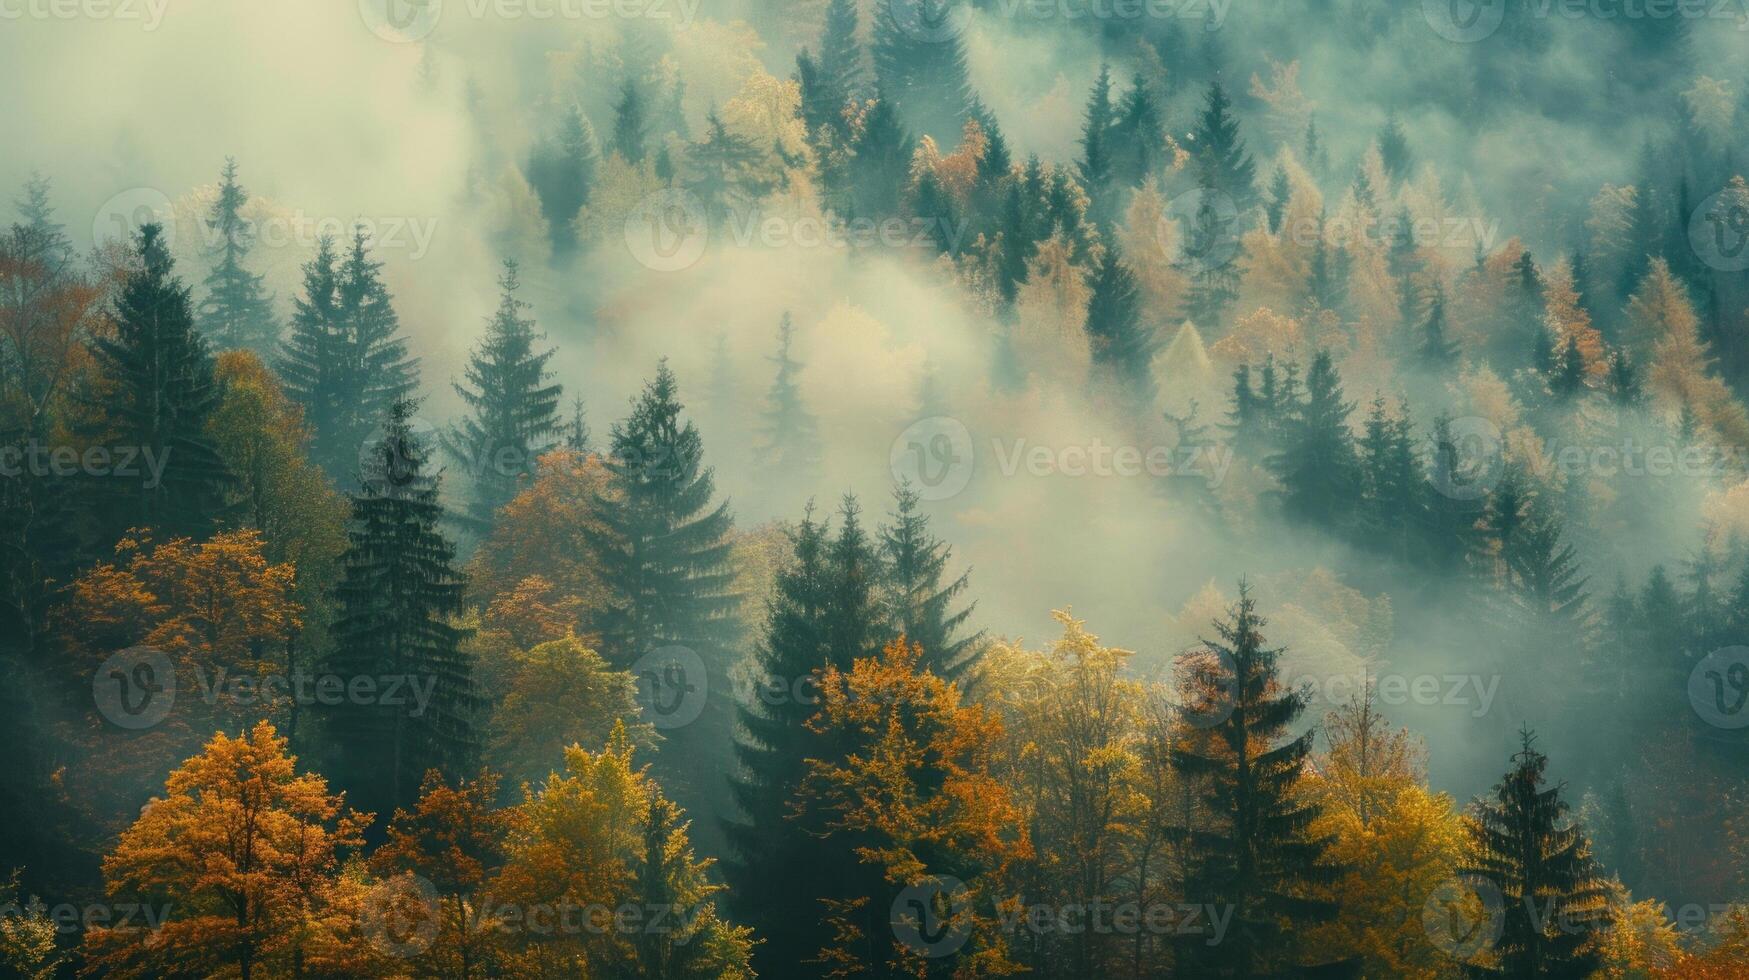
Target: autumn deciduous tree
pixel 453 838
pixel 918 793
pixel 561 693
pixel 601 836
pixel 244 855
pixel 543 532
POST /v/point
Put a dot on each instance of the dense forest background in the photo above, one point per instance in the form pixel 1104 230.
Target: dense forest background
pixel 685 488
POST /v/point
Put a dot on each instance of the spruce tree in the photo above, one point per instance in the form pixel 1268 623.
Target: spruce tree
pixel 1438 351
pixel 1138 137
pixel 1568 376
pixel 1280 192
pixel 920 65
pixel 345 361
pixel 630 123
pixel 1123 346
pixel 237 313
pixel 1215 271
pixel 918 602
pixel 1624 380
pixel 840 61
pixel 1394 150
pixel 37 216
pixel 1223 164
pixel 723 169
pixel 1095 168
pixel 881 167
pixel 561 169
pixel 1253 856
pixel 513 406
pixel 397 600
pixel 825 613
pixel 156 391
pixel 1316 466
pixel 662 551
pixel 792 450
pixel 1554 900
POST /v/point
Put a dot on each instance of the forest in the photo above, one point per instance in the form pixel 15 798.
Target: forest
pixel 874 489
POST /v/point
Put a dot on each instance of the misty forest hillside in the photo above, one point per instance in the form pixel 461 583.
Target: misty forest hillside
pixel 874 488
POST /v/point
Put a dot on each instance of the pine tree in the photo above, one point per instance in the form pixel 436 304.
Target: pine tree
pixel 37 216
pixel 792 449
pixel 1018 245
pixel 345 362
pixel 1095 167
pixel 1438 351
pixel 156 391
pixel 1317 154
pixel 662 552
pixel 1138 137
pixel 724 170
pixel 1123 346
pixel 576 429
pixel 397 597
pixel 918 603
pixel 237 313
pixel 1280 192
pixel 825 613
pixel 1222 162
pixel 630 124
pixel 1214 283
pixel 1316 467
pixel 1254 855
pixel 561 169
pixel 1394 150
pixel 1327 282
pixel 881 167
pixel 1555 902
pixel 840 63
pixel 513 406
pixel 920 65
